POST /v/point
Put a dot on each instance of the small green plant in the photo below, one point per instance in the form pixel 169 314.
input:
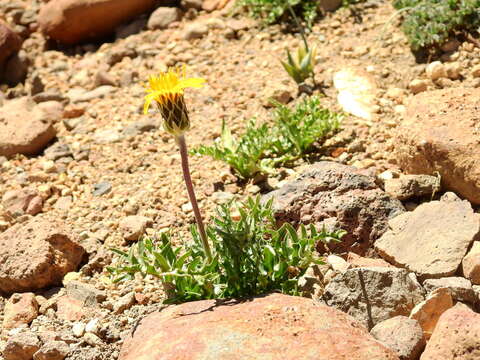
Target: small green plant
pixel 301 68
pixel 272 11
pixel 260 148
pixel 430 23
pixel 251 256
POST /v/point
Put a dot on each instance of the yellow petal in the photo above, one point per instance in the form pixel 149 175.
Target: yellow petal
pixel 148 99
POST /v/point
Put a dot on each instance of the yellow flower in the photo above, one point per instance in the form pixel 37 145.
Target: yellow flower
pixel 166 90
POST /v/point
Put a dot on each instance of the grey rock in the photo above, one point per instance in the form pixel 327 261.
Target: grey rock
pixel 107 136
pixel 58 151
pixel 337 196
pixel 117 54
pixel 140 127
pixel 162 17
pixel 433 239
pixel 407 186
pixel 97 93
pixel 372 295
pixel 101 188
pixel 132 28
pixel 460 288
pixel 21 346
pixel 402 335
pixel 86 293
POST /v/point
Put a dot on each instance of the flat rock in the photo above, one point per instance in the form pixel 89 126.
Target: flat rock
pixel 433 239
pixel 429 311
pixel 274 326
pixel 372 295
pixel 24 128
pixel 36 254
pixel 460 288
pixel 456 336
pixel 337 196
pixel 64 20
pixel 407 186
pixel 402 335
pixel 439 134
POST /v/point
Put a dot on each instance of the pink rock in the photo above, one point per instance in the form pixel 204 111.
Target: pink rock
pixel 64 20
pixel 24 128
pixel 359 261
pixel 20 310
pixel 456 336
pixel 17 202
pixel 70 309
pixel 274 326
pixel 36 254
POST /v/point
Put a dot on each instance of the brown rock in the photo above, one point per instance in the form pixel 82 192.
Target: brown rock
pixel 337 196
pixel 24 128
pixel 134 226
pixel 402 335
pixel 21 346
pixel 36 254
pixel 429 311
pixel 17 202
pixel 460 288
pixel 10 42
pixel 471 264
pixel 407 186
pixel 64 20
pixel 52 350
pixel 433 239
pixel 163 16
pixel 269 327
pixel 456 336
pixel 20 310
pixel 439 134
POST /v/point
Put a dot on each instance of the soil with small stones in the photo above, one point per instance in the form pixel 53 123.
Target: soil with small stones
pixel 143 167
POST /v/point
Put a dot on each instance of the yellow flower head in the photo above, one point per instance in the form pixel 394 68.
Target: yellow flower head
pixel 166 90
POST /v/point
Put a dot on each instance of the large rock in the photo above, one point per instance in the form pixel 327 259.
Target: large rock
pixel 338 196
pixel 374 294
pixel 433 239
pixel 460 288
pixel 10 42
pixel 72 21
pixel 401 334
pixel 20 310
pixel 24 128
pixel 439 134
pixel 456 336
pixel 269 327
pixel 471 263
pixel 36 254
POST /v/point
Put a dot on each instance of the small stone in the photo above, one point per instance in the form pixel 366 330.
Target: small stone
pixel 429 311
pixel 337 263
pixel 417 86
pixel 101 188
pixel 52 350
pixel 162 17
pixel 187 207
pixel 460 288
pixel 87 294
pixel 20 310
pixel 78 329
pixel 134 226
pixel 436 70
pixel 21 346
pixel 93 326
pixel 453 70
pixel 92 339
pixel 476 71
pixel 402 335
pixel 124 303
pixel 70 309
pixel 104 78
pixel 407 186
pixel 195 31
pixel 471 264
pixel 276 95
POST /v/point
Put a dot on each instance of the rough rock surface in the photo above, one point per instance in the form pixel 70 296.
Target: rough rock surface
pixel 267 327
pixel 460 288
pixel 429 311
pixel 10 42
pixel 64 20
pixel 372 295
pixel 471 264
pixel 402 335
pixel 433 239
pixel 337 196
pixel 21 346
pixel 440 133
pixel 36 254
pixel 456 336
pixel 20 202
pixel 408 186
pixel 24 128
pixel 20 309
pixel 162 17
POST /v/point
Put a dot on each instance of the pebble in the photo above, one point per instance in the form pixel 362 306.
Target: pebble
pixel 101 188
pixel 78 329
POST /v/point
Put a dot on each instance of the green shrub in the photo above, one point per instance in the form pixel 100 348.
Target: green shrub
pixel 251 256
pixel 430 23
pixel 261 148
pixel 272 11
